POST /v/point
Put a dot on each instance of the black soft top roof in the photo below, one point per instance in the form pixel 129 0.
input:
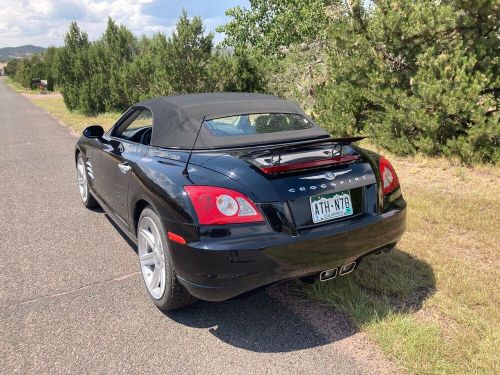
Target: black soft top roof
pixel 176 119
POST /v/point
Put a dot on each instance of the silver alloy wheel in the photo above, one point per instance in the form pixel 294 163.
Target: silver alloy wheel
pixel 82 179
pixel 151 257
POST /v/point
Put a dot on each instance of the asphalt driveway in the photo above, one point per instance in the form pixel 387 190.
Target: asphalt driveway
pixel 72 299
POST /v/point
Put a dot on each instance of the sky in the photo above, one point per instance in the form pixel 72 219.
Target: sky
pixel 44 22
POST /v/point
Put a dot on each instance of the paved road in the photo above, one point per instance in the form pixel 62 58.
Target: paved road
pixel 72 300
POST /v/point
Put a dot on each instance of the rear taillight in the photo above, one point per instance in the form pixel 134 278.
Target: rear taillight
pixel 388 175
pixel 216 205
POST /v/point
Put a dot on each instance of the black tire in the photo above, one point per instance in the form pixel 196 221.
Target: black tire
pixel 87 199
pixel 175 295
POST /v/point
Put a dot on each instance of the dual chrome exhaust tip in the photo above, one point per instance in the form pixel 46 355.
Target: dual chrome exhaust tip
pixel 348 268
pixel 328 274
pixel 332 273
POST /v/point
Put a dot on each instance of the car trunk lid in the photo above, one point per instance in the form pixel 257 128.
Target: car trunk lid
pixel 312 170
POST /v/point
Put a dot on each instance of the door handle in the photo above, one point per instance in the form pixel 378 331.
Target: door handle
pixel 124 167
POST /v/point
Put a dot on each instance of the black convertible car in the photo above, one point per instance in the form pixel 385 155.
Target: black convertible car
pixel 226 193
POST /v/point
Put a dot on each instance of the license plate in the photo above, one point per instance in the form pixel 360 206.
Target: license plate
pixel 331 206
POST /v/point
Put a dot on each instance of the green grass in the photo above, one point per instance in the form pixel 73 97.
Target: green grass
pixel 433 304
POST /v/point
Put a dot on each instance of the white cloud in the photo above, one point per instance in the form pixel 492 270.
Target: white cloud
pixel 44 22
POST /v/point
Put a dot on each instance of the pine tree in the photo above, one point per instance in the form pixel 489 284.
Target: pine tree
pixel 71 66
pixel 188 55
pixel 418 76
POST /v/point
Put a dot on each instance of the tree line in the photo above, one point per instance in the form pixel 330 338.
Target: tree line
pixel 417 76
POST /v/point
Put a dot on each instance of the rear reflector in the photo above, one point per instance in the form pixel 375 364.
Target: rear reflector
pixel 309 164
pixel 176 238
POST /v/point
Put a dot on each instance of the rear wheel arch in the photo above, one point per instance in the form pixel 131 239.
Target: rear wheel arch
pixel 77 153
pixel 80 151
pixel 139 206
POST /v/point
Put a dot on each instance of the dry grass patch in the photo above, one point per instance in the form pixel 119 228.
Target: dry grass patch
pixel 77 121
pixel 433 304
pixel 17 86
pixel 53 103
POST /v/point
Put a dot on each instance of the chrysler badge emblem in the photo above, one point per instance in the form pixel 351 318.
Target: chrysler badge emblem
pixel 328 175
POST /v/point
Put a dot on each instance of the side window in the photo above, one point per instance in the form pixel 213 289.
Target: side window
pixel 137 127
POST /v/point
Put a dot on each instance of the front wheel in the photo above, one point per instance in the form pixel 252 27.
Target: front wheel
pixel 83 184
pixel 156 264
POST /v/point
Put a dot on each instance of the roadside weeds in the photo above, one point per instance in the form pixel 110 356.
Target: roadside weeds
pixel 433 303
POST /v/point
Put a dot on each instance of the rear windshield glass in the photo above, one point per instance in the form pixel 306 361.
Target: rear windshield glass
pixel 261 123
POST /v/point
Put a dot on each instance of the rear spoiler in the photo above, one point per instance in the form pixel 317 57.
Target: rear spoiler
pixel 343 141
pixel 277 150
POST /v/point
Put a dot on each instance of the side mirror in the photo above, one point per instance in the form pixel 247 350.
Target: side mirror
pixel 94 131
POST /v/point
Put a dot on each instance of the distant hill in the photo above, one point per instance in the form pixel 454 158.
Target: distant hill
pixel 9 53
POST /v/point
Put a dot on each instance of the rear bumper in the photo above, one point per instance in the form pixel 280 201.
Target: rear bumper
pixel 216 269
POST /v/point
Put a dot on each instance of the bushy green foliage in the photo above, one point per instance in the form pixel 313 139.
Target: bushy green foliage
pixel 119 69
pixel 71 68
pixel 49 57
pixel 273 25
pixel 299 74
pixel 27 69
pixel 91 75
pixel 11 67
pixel 33 67
pixel 148 76
pixel 241 71
pixel 188 54
pixel 418 76
pixel 412 75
